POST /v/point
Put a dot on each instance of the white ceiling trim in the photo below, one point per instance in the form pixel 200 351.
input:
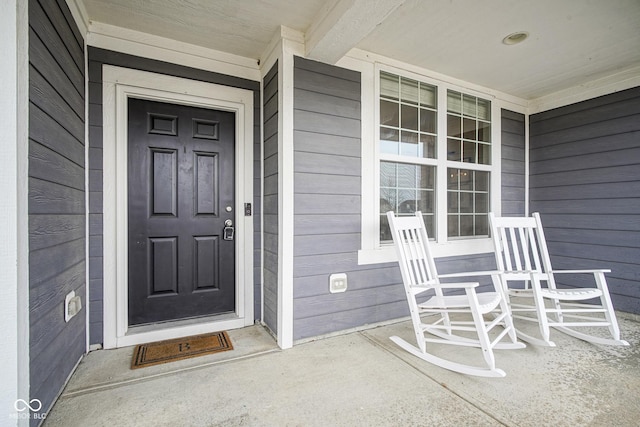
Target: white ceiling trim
pixel 341 25
pixel 145 45
pixel 623 80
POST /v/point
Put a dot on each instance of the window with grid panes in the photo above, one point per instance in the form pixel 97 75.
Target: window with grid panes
pixel 408 156
pixel 468 142
pixel 408 127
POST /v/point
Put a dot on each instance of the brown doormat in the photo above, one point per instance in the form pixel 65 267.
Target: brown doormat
pixel 182 348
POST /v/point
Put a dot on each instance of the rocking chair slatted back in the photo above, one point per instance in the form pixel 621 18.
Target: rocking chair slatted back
pixel 417 262
pixel 521 247
pixel 525 265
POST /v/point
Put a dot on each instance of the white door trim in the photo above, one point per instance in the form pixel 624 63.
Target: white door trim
pixel 118 85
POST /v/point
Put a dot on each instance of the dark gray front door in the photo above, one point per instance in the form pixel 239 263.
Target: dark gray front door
pixel 180 193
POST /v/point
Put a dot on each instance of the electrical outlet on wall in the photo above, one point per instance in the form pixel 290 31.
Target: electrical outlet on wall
pixel 337 282
pixel 72 305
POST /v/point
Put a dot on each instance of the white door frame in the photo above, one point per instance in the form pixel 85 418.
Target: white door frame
pixel 118 85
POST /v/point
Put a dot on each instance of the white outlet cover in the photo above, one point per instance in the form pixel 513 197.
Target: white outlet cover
pixel 70 295
pixel 337 283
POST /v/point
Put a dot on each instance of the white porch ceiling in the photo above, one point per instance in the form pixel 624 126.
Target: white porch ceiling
pixel 571 43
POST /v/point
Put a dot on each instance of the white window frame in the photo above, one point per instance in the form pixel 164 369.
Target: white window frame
pixel 372 250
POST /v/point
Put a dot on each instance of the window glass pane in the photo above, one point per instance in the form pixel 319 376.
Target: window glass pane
pixel 385 230
pixel 409 116
pixel 484 132
pixel 427 177
pixel 407 136
pixel 484 109
pixel 466 179
pixel 409 91
pixel 466 202
pixel 427 121
pixel 454 151
pixel 484 154
pixel 409 145
pixel 389 140
pixel 452 202
pixel 387 175
pixel 469 106
pixel 482 181
pixel 482 203
pixel 452 179
pixel 406 175
pixel 425 201
pixel 406 201
pixel 469 127
pixel 388 200
pixel 429 223
pixel 469 152
pixel 428 146
pixel 427 95
pixel 454 102
pixel 482 225
pixel 389 85
pixel 389 115
pixel 453 230
pixel 454 126
pixel 466 225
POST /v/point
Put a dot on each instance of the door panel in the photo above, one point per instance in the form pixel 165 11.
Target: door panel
pixel 164 182
pixel 180 172
pixel 163 266
pixel 206 175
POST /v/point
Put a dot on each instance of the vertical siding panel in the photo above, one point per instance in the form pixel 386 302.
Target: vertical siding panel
pixel 585 182
pixel 57 259
pixel 270 208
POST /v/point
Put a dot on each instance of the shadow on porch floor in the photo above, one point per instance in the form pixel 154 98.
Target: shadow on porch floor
pixel 361 378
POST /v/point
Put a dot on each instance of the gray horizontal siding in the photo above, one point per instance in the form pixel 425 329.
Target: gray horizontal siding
pixel 327 185
pixel 97 58
pixel 57 259
pixel 585 182
pixel 513 164
pixel 270 208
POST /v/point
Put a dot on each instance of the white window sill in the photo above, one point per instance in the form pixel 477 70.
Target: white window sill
pixel 387 253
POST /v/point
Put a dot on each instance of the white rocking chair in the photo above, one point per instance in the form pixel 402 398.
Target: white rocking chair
pixel 522 256
pixel 420 276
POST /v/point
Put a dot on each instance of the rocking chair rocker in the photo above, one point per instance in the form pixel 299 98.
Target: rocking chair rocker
pixel 420 277
pixel 522 256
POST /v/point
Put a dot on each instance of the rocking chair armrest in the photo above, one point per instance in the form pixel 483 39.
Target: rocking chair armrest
pixel 418 289
pixel 459 285
pixel 470 274
pixel 590 271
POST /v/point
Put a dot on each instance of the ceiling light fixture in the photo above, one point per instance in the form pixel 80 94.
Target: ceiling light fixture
pixel 515 38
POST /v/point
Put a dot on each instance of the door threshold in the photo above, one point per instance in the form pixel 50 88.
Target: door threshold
pixel 181 328
pixel 158 326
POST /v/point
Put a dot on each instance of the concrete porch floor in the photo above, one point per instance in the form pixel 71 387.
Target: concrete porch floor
pixel 361 378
